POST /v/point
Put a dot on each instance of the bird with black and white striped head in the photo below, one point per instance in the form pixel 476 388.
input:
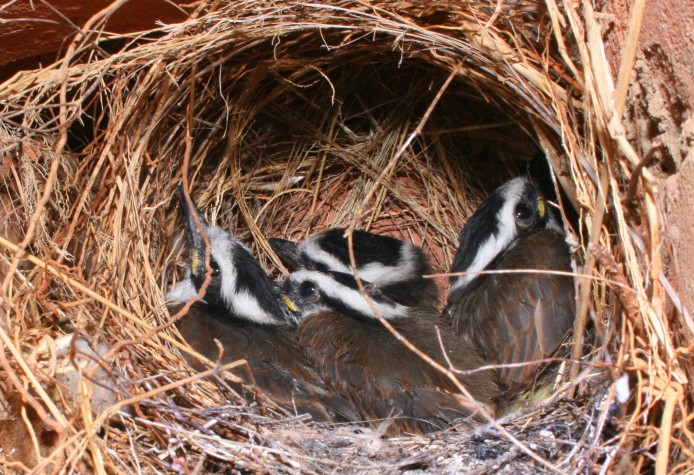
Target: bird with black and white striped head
pixel 361 360
pixel 241 311
pixel 512 295
pixel 395 267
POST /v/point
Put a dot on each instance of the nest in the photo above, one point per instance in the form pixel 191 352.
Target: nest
pixel 285 119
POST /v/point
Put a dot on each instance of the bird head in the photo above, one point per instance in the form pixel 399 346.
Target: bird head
pixel 306 292
pixel 515 208
pixel 237 284
pixel 381 260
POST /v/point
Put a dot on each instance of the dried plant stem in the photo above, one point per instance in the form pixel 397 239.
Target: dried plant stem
pixel 164 389
pixel 636 174
pixel 297 117
pixel 558 23
pixel 626 66
pixel 61 422
pixel 626 298
pixel 62 276
pixel 584 285
pixel 672 395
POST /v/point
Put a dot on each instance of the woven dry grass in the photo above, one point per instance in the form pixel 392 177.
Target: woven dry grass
pixel 287 118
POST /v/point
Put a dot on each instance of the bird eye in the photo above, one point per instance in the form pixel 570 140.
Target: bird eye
pixel 307 289
pixel 523 213
pixel 215 268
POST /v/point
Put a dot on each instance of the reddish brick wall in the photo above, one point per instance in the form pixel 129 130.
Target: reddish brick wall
pixel 32 33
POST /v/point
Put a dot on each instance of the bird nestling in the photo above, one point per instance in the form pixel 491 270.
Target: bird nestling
pixel 361 360
pixel 240 310
pixel 513 317
pixel 394 267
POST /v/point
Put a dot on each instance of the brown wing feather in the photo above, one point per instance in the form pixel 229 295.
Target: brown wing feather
pixel 363 362
pixel 277 364
pixel 519 317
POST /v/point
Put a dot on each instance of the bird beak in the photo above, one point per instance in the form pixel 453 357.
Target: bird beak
pixel 290 305
pixel 194 233
pixel 541 207
pixel 287 252
pixel 290 310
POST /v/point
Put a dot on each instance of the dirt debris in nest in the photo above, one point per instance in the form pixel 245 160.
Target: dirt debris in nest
pixel 555 432
pixel 216 439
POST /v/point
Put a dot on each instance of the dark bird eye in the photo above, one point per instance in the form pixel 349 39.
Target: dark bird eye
pixel 307 289
pixel 523 212
pixel 215 267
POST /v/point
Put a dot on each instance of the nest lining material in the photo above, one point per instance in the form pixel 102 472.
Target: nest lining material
pixel 284 120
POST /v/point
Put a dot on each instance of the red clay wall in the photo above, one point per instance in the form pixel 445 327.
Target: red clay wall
pixel 31 33
pixel 661 104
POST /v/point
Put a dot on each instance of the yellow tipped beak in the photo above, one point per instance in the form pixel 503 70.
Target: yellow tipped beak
pixel 541 208
pixel 197 263
pixel 194 262
pixel 290 305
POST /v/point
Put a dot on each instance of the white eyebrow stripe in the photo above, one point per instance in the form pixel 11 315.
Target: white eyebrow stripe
pixel 402 270
pixel 374 272
pixel 508 231
pixel 244 304
pixel 316 253
pixel 247 305
pixel 352 298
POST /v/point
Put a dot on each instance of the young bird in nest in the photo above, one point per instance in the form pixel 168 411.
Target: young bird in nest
pixel 394 267
pixel 360 359
pixel 513 317
pixel 240 310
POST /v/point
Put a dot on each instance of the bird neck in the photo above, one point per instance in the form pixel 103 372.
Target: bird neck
pixel 485 253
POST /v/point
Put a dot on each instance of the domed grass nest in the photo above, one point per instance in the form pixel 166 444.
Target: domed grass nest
pixel 287 118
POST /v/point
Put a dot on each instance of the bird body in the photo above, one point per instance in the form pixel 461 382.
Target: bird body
pixel 276 363
pixel 394 267
pixel 513 318
pixel 240 310
pixel 361 360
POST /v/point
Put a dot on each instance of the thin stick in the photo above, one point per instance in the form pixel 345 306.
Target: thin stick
pixel 62 276
pixel 662 457
pixel 636 174
pixel 628 57
pixel 628 301
pixel 61 423
pixel 164 389
pixel 59 146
